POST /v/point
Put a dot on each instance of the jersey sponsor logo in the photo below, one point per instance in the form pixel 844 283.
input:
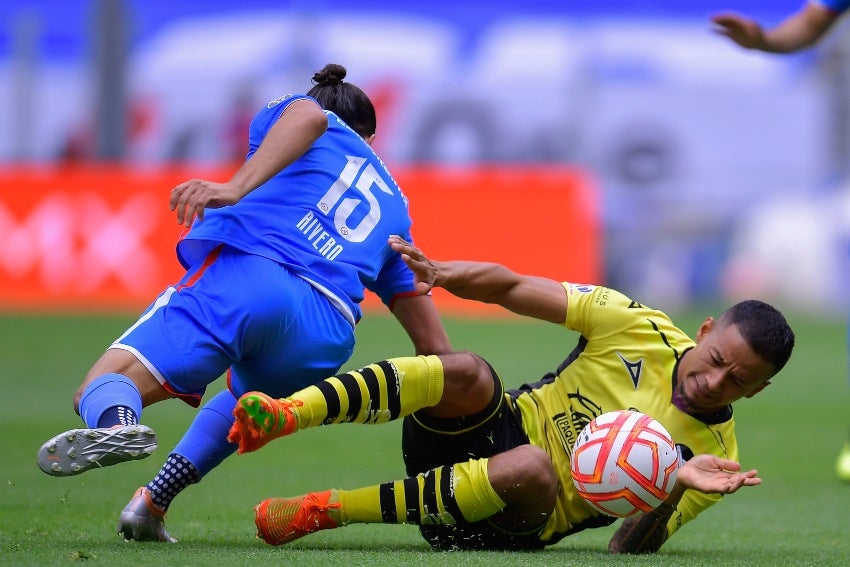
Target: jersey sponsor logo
pixel 582 411
pixel 602 297
pixel 583 288
pixel 277 101
pixel 633 368
pixel 634 305
pixel 562 423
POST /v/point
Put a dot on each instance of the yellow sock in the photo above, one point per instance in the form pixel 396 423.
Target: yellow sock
pixel 378 393
pixel 442 495
pixel 473 492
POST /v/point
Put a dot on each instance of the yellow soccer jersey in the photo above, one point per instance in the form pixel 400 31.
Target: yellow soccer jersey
pixel 626 358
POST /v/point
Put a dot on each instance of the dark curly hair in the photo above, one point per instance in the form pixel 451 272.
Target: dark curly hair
pixel 345 100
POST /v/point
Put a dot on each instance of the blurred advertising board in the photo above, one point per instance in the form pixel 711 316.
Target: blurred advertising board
pixel 101 238
pixel 689 138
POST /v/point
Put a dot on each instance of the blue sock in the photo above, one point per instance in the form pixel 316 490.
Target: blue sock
pixel 121 415
pixel 108 400
pixel 205 443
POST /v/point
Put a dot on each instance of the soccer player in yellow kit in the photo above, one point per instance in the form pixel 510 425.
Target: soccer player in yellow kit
pixel 490 468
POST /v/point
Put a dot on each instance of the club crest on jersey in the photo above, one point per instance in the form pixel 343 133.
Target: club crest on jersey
pixel 634 368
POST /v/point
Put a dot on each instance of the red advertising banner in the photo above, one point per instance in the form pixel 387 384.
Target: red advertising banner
pixel 535 220
pixel 102 238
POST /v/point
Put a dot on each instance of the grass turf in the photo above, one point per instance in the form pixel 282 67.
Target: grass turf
pixel 791 432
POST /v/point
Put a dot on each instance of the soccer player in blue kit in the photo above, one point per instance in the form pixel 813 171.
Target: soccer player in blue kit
pixel 800 30
pixel 277 260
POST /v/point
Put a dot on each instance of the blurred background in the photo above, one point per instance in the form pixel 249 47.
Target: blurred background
pixel 613 141
pixel 704 172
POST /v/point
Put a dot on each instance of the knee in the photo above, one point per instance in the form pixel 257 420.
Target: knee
pixel 533 473
pixel 464 371
pixel 467 386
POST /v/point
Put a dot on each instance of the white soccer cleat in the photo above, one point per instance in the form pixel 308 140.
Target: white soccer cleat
pixel 79 450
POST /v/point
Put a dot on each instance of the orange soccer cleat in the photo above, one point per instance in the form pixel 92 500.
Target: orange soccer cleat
pixel 261 418
pixel 282 520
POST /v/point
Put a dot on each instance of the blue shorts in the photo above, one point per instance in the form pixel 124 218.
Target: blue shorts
pixel 246 315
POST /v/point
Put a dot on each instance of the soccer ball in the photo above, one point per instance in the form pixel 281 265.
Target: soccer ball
pixel 624 462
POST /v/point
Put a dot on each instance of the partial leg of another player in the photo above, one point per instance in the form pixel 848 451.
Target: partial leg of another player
pixel 110 402
pixel 377 393
pixel 203 447
pixel 519 486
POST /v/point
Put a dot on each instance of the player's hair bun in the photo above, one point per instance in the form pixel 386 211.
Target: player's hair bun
pixel 331 74
pixel 346 100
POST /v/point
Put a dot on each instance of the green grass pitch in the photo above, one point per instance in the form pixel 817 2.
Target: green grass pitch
pixel 791 432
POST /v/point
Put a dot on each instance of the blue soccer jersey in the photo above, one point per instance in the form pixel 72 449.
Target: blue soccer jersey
pixel 326 217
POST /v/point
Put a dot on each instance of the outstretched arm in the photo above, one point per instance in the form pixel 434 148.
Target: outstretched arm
pixel 531 296
pixel 706 473
pixel 798 31
pixel 420 319
pixel 301 124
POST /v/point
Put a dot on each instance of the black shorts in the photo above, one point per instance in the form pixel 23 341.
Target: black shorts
pixel 429 442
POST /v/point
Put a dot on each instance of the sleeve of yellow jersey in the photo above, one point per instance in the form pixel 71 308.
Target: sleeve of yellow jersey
pixel 689 507
pixel 719 440
pixel 595 311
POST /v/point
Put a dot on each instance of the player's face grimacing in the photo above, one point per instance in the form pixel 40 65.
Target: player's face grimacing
pixel 719 370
